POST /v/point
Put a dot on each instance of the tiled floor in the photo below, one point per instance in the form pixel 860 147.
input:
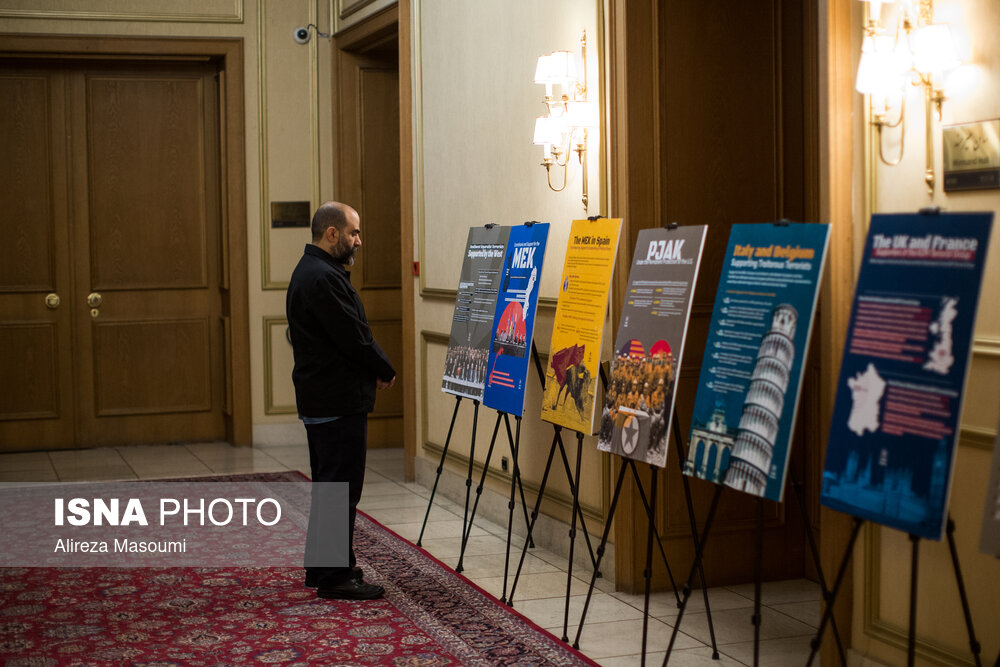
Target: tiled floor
pixel 612 634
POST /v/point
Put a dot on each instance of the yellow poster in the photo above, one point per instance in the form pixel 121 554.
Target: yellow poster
pixel 573 374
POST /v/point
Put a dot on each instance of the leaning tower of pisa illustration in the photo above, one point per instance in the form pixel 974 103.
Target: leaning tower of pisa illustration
pixel 754 448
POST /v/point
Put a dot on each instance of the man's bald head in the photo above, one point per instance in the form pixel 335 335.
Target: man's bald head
pixel 330 214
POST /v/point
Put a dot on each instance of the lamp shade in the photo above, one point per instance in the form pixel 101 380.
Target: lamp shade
pixel 880 70
pixel 583 114
pixel 543 70
pixel 562 67
pixel 547 131
pixel 933 49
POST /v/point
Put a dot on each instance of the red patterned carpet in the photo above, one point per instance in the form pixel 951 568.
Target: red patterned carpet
pixel 245 616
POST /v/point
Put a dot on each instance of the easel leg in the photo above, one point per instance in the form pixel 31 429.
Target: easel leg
pixel 911 644
pixel 573 490
pixel 600 551
pixel 648 572
pixel 757 574
pixel 646 502
pixel 440 469
pixel 534 515
pixel 811 539
pixel 466 518
pixel 699 552
pixel 681 457
pixel 514 479
pixel 973 643
pixel 512 441
pixel 841 571
pixel 572 535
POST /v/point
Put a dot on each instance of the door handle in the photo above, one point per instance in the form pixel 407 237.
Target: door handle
pixel 52 301
pixel 94 300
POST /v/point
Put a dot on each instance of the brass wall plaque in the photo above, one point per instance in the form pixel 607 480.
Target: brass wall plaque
pixel 971 156
pixel 290 214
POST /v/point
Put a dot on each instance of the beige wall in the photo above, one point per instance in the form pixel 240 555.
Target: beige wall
pixel 882 560
pixel 474 111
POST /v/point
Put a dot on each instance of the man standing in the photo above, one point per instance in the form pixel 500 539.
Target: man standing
pixel 338 367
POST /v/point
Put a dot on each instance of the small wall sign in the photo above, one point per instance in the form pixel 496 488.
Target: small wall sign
pixel 290 214
pixel 971 156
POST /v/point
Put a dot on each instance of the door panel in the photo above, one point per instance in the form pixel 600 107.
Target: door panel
pixel 36 405
pixel 368 179
pixel 128 354
pixel 146 182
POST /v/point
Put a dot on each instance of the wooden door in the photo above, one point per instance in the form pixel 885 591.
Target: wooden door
pixel 367 126
pixel 730 144
pixel 138 210
pixel 36 364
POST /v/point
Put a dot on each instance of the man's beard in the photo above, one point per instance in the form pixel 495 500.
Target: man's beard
pixel 345 254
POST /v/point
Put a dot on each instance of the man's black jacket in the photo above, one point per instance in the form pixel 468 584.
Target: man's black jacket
pixel 336 356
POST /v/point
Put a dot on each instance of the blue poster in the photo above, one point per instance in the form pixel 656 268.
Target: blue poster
pixel 899 396
pixel 514 319
pixel 751 373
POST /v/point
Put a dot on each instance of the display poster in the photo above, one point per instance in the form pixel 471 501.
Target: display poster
pixel 989 542
pixel 578 329
pixel 514 318
pixel 751 372
pixel 475 306
pixel 639 402
pixel 899 396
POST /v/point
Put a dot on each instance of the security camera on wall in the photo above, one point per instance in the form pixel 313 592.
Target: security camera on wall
pixel 301 35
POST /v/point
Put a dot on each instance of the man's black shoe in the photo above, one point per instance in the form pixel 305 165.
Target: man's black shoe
pixel 352 589
pixel 312 579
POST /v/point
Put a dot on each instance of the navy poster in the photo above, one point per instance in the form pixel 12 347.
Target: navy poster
pixel 751 372
pixel 514 318
pixel 475 306
pixel 899 397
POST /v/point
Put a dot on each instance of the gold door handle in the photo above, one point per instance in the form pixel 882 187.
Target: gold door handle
pixel 52 301
pixel 94 300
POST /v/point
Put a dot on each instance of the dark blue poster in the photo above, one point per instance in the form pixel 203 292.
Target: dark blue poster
pixel 751 373
pixel 514 319
pixel 899 397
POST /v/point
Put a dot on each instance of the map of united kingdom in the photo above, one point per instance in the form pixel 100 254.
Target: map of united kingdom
pixel 941 358
pixel 866 392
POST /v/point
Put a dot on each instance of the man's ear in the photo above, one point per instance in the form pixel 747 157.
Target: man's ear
pixel 330 235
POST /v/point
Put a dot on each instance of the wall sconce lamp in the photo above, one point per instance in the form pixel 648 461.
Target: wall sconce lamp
pixel 570 116
pixel 919 51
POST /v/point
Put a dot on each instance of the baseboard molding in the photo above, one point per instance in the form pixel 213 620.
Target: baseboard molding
pixel 292 433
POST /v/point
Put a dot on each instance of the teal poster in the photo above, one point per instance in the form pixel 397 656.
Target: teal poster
pixel 514 318
pixel 751 372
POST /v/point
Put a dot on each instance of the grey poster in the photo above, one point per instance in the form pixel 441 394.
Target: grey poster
pixel 989 542
pixel 475 305
pixel 649 345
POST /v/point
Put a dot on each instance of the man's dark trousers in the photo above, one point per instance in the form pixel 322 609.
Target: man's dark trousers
pixel 337 452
